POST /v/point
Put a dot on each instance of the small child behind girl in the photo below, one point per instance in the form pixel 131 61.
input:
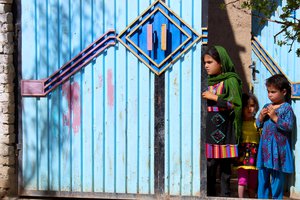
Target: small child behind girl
pixel 275 157
pixel 247 171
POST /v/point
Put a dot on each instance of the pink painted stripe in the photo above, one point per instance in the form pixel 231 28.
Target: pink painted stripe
pixel 149 37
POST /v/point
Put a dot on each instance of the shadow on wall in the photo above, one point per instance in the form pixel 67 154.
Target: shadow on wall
pixel 221 32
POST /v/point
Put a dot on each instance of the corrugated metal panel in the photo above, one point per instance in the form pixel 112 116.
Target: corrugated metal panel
pixel 183 100
pixel 288 62
pixel 95 132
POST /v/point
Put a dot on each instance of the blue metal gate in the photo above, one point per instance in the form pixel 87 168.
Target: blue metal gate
pixel 104 113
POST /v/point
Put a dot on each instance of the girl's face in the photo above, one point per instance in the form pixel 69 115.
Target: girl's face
pixel 212 66
pixel 275 95
pixel 249 110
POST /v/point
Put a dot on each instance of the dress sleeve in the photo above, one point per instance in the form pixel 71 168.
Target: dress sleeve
pixel 233 95
pixel 224 104
pixel 260 124
pixel 286 119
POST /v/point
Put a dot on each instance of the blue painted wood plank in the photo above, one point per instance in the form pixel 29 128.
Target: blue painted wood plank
pixel 186 110
pixel 54 173
pixel 99 126
pixel 151 126
pixel 65 106
pixel 76 95
pixel 196 100
pixel 87 100
pixel 175 123
pixel 30 172
pixel 121 114
pixel 109 124
pixel 174 134
pixel 151 142
pixel 132 106
pixel 110 103
pixel 28 45
pixel 144 128
pixel 54 98
pixel 65 142
pixel 42 118
pixel 98 99
pixel 30 167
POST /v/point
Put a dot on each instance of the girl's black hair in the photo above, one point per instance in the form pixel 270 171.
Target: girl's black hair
pixel 212 51
pixel 245 99
pixel 280 82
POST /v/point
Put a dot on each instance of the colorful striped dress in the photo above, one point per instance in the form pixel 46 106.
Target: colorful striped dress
pixel 220 136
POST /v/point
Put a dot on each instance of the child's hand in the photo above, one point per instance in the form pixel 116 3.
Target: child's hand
pixel 271 113
pixel 209 95
pixel 262 114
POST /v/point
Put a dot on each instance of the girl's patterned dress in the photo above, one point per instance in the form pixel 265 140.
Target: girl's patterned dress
pixel 248 146
pixel 220 137
pixel 274 150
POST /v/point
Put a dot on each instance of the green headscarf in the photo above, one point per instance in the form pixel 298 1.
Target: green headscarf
pixel 233 88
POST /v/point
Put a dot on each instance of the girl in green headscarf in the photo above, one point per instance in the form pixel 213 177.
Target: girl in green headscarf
pixel 224 109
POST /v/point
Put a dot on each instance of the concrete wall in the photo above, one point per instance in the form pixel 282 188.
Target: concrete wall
pixel 231 28
pixel 8 179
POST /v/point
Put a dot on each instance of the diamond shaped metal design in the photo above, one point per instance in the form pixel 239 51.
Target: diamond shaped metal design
pixel 156 11
pixel 179 37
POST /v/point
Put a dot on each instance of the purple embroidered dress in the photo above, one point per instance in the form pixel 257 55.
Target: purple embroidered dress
pixel 274 150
